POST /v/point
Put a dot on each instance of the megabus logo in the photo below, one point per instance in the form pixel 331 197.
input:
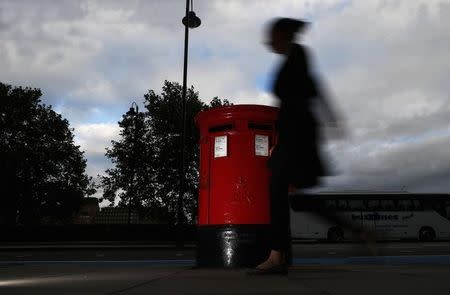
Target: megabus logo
pixel 374 216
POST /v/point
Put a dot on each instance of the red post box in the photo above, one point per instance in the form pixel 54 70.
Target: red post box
pixel 234 206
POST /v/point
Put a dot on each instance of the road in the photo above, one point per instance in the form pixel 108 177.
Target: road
pixel 142 252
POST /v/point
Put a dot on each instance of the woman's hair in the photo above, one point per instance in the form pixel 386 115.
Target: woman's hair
pixel 288 26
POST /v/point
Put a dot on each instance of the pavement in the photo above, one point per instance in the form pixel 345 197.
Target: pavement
pixel 171 279
pixel 82 271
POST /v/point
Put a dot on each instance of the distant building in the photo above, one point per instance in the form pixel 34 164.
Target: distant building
pixel 88 211
pixel 113 215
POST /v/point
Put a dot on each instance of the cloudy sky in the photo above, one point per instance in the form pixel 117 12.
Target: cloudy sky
pixel 386 65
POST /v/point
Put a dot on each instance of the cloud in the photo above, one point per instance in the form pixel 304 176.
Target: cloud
pixel 93 139
pixel 385 63
pixel 420 166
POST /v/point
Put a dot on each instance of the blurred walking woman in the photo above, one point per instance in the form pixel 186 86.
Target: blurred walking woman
pixel 295 159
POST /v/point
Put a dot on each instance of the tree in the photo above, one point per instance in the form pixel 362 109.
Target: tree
pixel 156 176
pixel 42 170
pixel 132 178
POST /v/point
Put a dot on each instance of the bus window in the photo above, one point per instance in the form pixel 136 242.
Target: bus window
pixel 405 205
pixel 387 205
pixel 330 204
pixel 342 205
pixel 417 205
pixel 439 207
pixel 373 205
pixel 356 205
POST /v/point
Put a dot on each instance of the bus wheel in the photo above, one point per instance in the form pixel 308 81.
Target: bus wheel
pixel 335 234
pixel 426 234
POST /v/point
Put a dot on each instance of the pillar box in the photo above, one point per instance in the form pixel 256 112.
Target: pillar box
pixel 234 205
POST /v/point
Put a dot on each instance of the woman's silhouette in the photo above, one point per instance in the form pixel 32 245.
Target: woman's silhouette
pixel 295 160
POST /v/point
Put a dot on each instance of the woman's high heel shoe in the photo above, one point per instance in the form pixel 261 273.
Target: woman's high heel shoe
pixel 280 269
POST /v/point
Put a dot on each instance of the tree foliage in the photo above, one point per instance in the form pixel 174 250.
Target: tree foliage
pixel 42 170
pixel 146 158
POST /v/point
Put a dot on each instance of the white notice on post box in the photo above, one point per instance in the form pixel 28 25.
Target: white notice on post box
pixel 220 146
pixel 262 145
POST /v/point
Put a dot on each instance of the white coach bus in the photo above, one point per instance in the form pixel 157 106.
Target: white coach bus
pixel 425 217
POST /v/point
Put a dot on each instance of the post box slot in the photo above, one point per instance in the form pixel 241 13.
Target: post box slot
pixel 260 126
pixel 221 128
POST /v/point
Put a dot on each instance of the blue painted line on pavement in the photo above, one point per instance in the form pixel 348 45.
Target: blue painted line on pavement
pixel 413 259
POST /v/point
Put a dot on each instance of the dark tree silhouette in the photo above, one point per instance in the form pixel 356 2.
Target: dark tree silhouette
pixel 42 170
pixel 132 178
pixel 155 160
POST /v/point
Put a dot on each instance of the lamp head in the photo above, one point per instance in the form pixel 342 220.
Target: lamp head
pixel 134 109
pixel 194 20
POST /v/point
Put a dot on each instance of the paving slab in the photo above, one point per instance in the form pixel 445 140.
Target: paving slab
pixel 375 279
pixel 172 279
pixel 78 278
pixel 210 281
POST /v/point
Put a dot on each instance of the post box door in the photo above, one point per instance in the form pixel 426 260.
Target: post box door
pixel 239 180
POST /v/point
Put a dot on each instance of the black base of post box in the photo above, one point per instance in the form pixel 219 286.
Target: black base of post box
pixel 230 246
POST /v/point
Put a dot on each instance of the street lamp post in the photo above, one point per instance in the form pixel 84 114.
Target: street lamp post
pixel 134 110
pixel 190 20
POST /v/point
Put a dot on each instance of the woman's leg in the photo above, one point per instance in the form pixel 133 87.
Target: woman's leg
pixel 279 212
pixel 279 233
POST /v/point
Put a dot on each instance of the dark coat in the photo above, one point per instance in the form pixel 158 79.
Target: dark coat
pixel 296 154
